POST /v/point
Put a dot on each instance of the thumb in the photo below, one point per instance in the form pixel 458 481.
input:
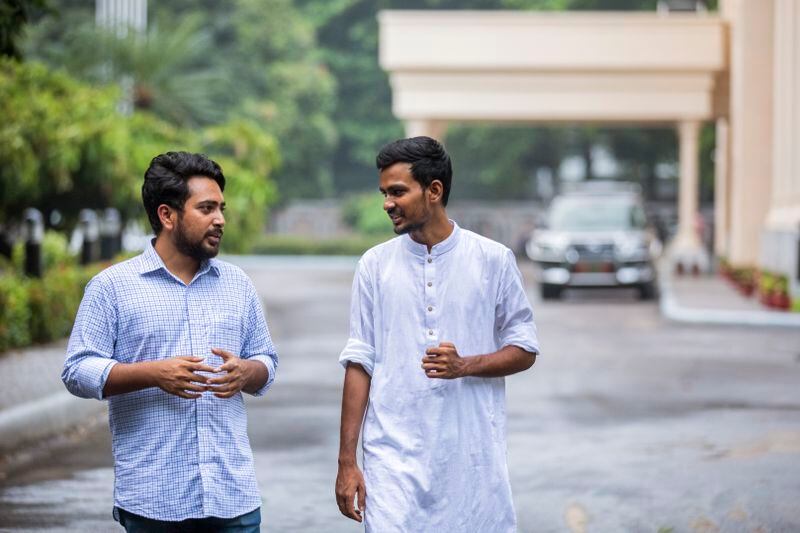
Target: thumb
pixel 222 353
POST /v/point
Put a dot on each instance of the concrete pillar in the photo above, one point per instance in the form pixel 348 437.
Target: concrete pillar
pixel 435 129
pixel 721 189
pixel 751 126
pixel 780 239
pixel 687 251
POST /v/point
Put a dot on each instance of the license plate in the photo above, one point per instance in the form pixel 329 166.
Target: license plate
pixel 594 267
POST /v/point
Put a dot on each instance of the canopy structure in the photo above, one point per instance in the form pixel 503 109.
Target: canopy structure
pixel 620 68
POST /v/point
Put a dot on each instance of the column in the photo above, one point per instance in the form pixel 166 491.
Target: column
pixel 721 195
pixel 686 251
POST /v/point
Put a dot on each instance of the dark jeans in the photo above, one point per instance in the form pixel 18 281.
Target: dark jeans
pixel 246 523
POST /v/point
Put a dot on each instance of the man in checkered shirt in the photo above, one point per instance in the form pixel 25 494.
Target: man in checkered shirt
pixel 171 338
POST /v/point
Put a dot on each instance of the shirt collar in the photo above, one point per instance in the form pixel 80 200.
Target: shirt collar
pixel 150 261
pixel 437 249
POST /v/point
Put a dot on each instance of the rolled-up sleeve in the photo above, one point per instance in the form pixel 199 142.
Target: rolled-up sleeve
pixel 90 349
pixel 257 344
pixel 514 323
pixel 360 347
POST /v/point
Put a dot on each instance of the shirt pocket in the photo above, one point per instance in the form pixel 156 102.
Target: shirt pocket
pixel 225 332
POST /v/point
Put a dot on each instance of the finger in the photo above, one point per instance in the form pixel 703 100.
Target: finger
pixel 362 498
pixel 222 353
pixel 436 365
pixel 233 364
pixel 191 358
pixel 435 350
pixel 187 395
pixel 222 379
pixel 227 387
pixel 446 345
pixel 349 502
pixel 230 394
pixel 194 387
pixel 200 367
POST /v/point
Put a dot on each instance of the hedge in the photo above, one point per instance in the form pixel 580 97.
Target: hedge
pixel 41 310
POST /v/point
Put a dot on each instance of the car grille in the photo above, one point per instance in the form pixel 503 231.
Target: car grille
pixel 594 252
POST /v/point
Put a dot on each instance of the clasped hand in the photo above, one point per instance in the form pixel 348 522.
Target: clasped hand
pixel 179 376
pixel 443 362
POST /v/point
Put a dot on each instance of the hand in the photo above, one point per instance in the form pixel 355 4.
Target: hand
pixel 178 376
pixel 443 362
pixel 349 484
pixel 237 374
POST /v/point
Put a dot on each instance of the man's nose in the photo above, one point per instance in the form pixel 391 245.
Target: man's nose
pixel 388 204
pixel 219 220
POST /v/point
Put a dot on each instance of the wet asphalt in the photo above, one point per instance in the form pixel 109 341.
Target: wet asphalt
pixel 627 422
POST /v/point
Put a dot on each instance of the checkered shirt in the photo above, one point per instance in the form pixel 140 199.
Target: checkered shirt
pixel 174 458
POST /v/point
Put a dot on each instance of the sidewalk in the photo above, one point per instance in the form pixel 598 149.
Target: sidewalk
pixel 33 401
pixel 35 405
pixel 709 299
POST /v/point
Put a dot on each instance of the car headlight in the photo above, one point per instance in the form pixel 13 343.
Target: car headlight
pixel 539 251
pixel 632 249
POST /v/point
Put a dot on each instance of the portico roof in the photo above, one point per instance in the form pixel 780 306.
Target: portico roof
pixel 550 67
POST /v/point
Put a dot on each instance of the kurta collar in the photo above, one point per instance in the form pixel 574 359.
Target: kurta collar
pixel 437 249
pixel 150 261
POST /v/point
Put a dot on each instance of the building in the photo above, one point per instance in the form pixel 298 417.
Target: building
pixel 739 68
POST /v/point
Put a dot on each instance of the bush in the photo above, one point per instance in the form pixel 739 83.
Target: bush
pixel 15 313
pixel 41 310
pixel 53 301
pixel 365 214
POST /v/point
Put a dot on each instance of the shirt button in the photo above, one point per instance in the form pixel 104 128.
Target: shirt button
pixel 430 332
pixel 430 260
pixel 430 308
pixel 430 284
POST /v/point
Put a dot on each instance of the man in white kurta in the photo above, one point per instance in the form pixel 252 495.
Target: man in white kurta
pixel 434 450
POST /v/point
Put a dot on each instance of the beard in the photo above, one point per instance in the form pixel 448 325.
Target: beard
pixel 408 226
pixel 196 249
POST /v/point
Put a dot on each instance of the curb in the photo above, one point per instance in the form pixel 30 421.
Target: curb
pixel 46 417
pixel 672 310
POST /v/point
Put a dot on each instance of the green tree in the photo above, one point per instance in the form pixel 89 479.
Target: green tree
pixel 14 17
pixel 59 141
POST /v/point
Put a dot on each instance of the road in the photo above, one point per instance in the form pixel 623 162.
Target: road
pixel 626 422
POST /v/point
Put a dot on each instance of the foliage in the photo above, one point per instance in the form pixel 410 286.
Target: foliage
pixel 65 146
pixel 42 310
pixel 166 68
pixel 14 16
pixel 365 214
pixel 56 133
pixel 290 245
pixel 55 252
pixel 15 313
pixel 53 302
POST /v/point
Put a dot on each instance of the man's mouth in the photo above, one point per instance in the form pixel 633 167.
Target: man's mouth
pixel 395 218
pixel 214 237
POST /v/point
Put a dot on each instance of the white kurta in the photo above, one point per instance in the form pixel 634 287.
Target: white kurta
pixel 435 449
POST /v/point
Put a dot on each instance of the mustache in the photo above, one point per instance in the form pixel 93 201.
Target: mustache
pixel 215 233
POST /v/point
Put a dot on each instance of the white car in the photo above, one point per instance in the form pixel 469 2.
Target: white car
pixel 595 239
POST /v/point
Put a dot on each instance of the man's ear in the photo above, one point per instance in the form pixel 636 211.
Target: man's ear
pixel 167 216
pixel 436 191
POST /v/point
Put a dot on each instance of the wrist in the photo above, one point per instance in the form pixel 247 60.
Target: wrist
pixel 471 365
pixel 347 461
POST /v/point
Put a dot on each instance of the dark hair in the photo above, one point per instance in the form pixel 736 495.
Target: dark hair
pixel 428 158
pixel 166 177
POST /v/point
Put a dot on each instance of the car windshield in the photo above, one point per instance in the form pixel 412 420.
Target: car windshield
pixel 596 214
